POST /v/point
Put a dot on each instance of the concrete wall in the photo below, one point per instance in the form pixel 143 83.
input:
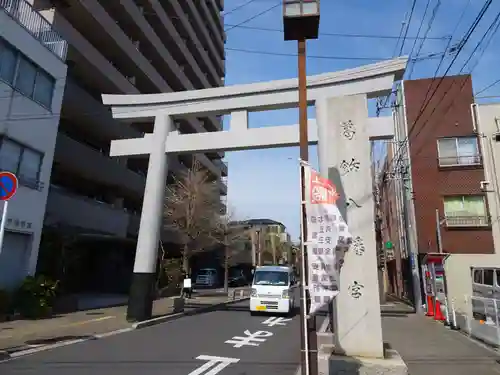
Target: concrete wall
pixel 32 125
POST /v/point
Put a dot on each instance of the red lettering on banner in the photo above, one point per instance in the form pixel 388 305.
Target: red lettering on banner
pixel 322 191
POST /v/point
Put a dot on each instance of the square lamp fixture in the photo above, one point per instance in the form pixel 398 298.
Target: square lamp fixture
pixel 301 19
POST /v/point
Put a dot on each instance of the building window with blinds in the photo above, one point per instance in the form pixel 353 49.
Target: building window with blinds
pixel 465 211
pixel 23 161
pixel 458 151
pixel 24 76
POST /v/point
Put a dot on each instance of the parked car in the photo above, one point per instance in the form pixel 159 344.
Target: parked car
pixel 207 277
pixel 237 278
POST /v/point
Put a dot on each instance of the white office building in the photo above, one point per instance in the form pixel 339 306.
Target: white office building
pixel 32 80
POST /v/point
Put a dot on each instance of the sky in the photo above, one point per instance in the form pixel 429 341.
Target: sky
pixel 265 183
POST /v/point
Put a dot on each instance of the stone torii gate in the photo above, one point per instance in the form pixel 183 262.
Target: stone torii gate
pixel 342 130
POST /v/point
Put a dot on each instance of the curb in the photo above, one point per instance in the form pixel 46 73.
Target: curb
pixel 167 318
pixel 5 355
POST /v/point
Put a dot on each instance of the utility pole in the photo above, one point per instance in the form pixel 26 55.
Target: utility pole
pixel 301 22
pixel 259 255
pixel 253 238
pixel 438 233
pixel 404 201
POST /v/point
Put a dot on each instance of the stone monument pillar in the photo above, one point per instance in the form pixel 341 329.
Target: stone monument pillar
pixel 344 153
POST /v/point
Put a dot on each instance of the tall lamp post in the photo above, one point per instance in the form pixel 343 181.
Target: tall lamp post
pixel 301 22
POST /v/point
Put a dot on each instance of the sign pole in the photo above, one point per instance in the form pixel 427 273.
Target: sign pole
pixel 8 187
pixel 2 224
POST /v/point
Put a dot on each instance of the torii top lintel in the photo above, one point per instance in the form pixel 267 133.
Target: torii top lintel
pixel 374 80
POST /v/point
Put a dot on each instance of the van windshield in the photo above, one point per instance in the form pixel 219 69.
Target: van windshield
pixel 270 278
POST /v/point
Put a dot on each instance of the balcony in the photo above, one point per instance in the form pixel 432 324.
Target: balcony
pixel 222 165
pixel 223 185
pixel 36 25
pixel 210 165
pixel 460 221
pixel 470 161
pixel 98 119
pixel 86 213
pixel 166 234
pixel 95 165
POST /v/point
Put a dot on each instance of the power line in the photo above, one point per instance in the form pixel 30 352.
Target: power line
pixel 444 55
pixel 420 27
pixel 429 25
pixel 338 35
pixel 407 26
pixel 488 87
pixel 491 31
pixel 426 37
pixel 403 31
pixel 460 47
pixel 254 17
pixel 432 56
pixel 238 7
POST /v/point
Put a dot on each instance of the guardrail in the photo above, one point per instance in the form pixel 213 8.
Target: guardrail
pixel 482 320
pixel 236 293
pixel 37 25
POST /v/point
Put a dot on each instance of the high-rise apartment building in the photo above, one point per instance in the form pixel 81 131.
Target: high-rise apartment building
pixel 32 80
pixel 123 47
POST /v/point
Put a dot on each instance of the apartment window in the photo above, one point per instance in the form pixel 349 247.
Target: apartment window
pixel 458 151
pixel 8 63
pixel 488 277
pixel 26 77
pixel 23 161
pixel 44 88
pixel 465 211
pixel 478 276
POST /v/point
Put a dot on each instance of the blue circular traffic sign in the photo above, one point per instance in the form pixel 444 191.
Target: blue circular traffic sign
pixel 8 185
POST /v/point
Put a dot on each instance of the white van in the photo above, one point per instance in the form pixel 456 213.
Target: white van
pixel 273 290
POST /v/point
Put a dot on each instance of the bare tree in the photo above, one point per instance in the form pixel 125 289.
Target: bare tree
pixel 232 235
pixel 192 210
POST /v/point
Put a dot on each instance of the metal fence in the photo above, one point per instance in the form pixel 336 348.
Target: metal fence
pixel 36 25
pixel 481 321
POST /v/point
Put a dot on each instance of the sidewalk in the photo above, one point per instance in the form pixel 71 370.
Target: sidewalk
pixel 21 334
pixel 428 347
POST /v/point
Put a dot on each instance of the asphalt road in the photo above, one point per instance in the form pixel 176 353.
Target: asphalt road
pixel 172 348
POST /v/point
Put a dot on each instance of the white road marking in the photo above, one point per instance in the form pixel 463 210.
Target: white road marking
pixel 251 339
pixel 275 321
pixel 214 365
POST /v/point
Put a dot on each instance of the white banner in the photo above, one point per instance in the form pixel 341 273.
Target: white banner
pixel 327 234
